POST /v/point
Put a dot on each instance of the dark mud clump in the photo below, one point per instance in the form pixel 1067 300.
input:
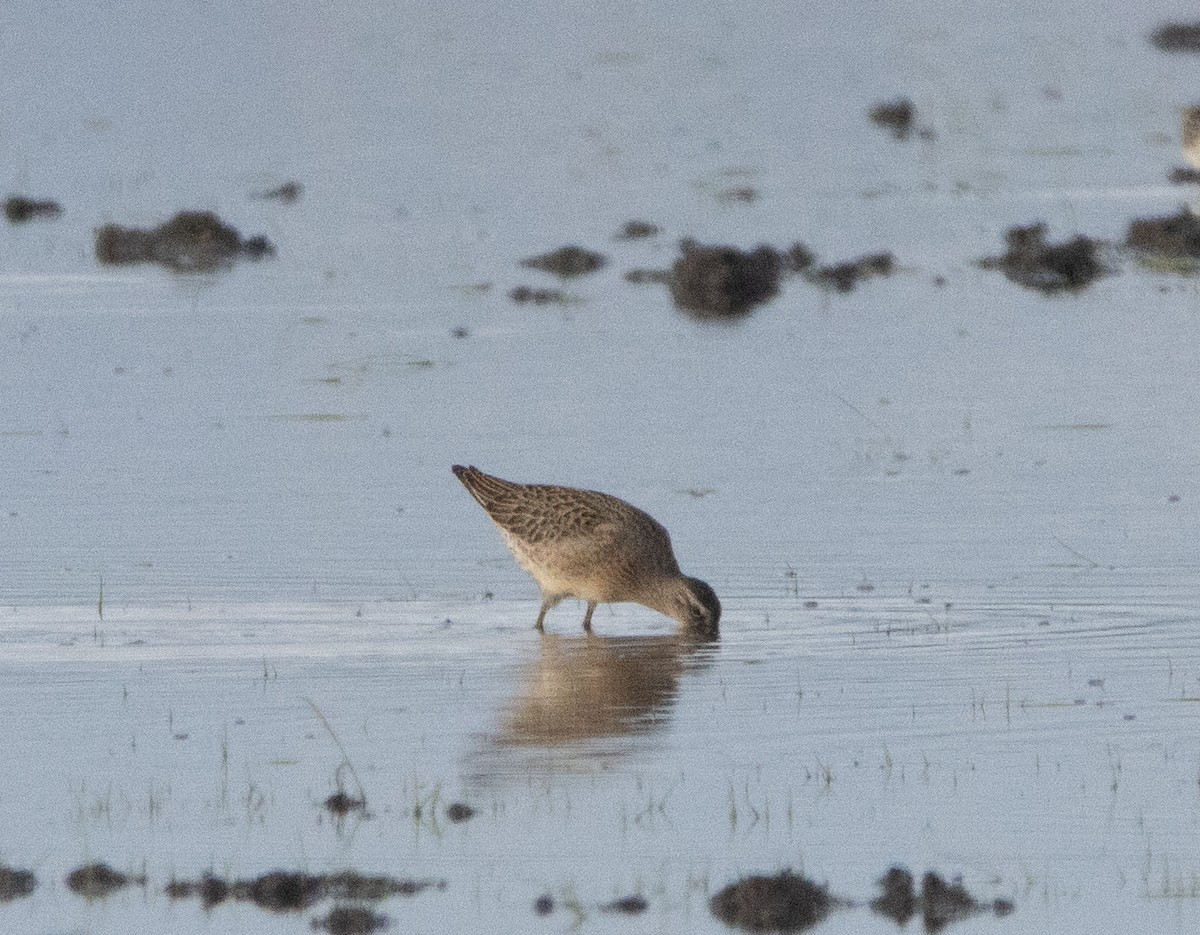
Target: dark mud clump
pixel 642 276
pixel 784 903
pixel 191 242
pixel 210 890
pixel 1173 237
pixel 1184 175
pixel 342 804
pixel 939 903
pixel 843 277
pixel 1177 37
pixel 544 904
pixel 288 193
pixel 637 230
pixel 351 920
pixel 898 117
pixel 526 295
pixel 712 282
pixel 800 258
pixel 15 883
pixel 286 891
pixel 459 812
pixel 567 262
pixel 627 905
pixel 899 899
pixel 19 209
pixel 1029 261
pixel 96 881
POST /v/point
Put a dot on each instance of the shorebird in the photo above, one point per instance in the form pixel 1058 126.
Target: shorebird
pixel 591 546
pixel 1191 135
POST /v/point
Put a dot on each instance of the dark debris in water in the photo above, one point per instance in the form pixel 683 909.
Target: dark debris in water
pixel 288 891
pixel 1177 37
pixel 96 881
pixel 714 282
pixel 459 812
pixel 938 904
pixel 15 883
pixel 1184 175
pixel 843 277
pixel 287 193
pixel 350 920
pixel 1175 236
pixel 19 209
pixel 627 905
pixel 784 903
pixel 190 242
pixel 523 295
pixel 1030 261
pixel 637 230
pixel 567 262
pixel 641 276
pixel 544 904
pixel 341 803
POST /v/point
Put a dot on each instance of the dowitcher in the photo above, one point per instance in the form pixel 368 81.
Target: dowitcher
pixel 1191 135
pixel 591 546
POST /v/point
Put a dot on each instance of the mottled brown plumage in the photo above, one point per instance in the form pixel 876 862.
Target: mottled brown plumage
pixel 591 546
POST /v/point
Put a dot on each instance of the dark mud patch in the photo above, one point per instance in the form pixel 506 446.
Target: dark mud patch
pixel 567 262
pixel 97 881
pixel 784 903
pixel 1170 243
pixel 190 242
pixel 287 891
pixel 939 903
pixel 18 209
pixel 637 230
pixel 1177 37
pixel 1183 175
pixel 15 883
pixel 288 193
pixel 642 276
pixel 350 920
pixel 459 812
pixel 899 118
pixel 717 282
pixel 844 277
pixel 527 295
pixel 1029 261
pixel 627 906
pixel 342 803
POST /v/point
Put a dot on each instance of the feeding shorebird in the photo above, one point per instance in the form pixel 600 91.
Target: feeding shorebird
pixel 591 546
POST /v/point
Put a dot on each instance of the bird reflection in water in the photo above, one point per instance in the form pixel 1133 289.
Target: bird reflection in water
pixel 591 687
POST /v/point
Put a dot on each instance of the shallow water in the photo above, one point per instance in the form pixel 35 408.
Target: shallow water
pixel 952 526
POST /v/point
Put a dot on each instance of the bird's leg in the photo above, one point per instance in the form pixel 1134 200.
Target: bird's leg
pixel 587 618
pixel 548 601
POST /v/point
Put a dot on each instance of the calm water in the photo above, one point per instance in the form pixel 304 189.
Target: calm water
pixel 952 526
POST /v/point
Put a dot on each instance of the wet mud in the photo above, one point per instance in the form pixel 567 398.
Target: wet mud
pixel 939 903
pixel 719 282
pixel 99 880
pixel 1177 37
pixel 15 883
pixel 1050 268
pixel 18 209
pixel 288 891
pixel 784 903
pixel 190 242
pixel 350 920
pixel 527 295
pixel 844 277
pixel 567 262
